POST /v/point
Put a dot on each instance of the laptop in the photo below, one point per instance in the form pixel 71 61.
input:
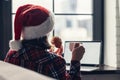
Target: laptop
pixel 91 59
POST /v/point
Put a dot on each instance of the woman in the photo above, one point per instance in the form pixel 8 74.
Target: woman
pixel 29 48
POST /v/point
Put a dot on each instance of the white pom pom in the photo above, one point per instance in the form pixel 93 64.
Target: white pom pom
pixel 15 45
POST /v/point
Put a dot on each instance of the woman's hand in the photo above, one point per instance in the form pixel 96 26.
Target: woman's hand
pixel 77 52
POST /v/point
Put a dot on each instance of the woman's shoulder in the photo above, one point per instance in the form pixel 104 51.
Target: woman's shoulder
pixel 11 52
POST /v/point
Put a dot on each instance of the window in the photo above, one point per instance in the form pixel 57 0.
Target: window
pixel 74 19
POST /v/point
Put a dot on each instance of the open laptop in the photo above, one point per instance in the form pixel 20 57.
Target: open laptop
pixel 91 58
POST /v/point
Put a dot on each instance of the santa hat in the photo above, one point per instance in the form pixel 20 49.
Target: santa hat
pixel 31 22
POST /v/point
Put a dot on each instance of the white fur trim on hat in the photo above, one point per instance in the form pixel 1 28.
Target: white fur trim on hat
pixel 15 45
pixel 33 32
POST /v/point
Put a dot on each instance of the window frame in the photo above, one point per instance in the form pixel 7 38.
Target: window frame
pixel 5 27
pixel 98 24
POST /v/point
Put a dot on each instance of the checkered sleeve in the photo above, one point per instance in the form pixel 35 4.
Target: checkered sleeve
pixel 59 69
pixel 75 70
pixel 9 58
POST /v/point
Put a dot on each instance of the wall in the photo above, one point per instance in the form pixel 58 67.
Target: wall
pixel 118 31
pixel 110 33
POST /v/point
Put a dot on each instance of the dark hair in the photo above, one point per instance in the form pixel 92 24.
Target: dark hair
pixel 41 43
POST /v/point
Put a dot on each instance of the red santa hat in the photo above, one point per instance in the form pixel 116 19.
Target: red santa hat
pixel 31 22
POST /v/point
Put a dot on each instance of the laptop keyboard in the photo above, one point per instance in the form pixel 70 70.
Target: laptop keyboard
pixel 84 68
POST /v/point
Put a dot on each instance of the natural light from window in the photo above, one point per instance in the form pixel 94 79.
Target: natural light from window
pixel 73 18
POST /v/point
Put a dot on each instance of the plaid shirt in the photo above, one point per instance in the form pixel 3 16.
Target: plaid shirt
pixel 44 62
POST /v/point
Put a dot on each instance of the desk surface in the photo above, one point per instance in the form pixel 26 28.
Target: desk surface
pixel 103 70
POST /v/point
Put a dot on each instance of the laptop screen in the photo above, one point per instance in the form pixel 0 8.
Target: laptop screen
pixel 92 52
